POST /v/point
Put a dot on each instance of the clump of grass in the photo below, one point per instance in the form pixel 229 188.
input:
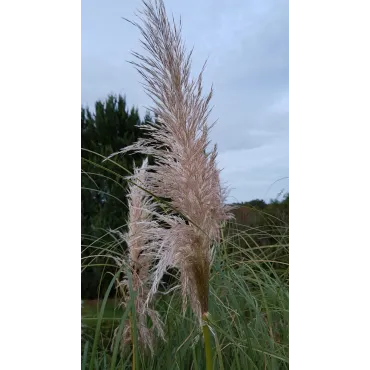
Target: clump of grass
pixel 250 317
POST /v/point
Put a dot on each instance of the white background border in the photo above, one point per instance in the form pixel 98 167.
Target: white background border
pixel 329 184
pixel 40 84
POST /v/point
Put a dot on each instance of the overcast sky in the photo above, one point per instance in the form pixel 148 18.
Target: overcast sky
pixel 247 46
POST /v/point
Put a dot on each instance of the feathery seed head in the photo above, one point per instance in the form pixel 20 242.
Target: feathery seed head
pixel 141 240
pixel 183 171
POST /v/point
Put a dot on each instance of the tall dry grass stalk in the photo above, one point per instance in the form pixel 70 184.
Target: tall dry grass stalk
pixel 142 239
pixel 183 171
pixel 178 142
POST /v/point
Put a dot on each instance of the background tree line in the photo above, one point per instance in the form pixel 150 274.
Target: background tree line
pixel 109 128
pixel 103 191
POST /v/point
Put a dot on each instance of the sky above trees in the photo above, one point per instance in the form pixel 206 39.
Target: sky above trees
pixel 247 47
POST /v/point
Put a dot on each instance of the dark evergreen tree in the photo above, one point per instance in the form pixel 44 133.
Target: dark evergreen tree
pixel 103 197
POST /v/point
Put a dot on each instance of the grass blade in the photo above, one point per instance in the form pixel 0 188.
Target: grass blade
pixel 119 334
pixel 100 317
pixel 84 358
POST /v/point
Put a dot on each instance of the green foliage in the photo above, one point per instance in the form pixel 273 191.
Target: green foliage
pixel 263 228
pixel 103 195
pixel 249 320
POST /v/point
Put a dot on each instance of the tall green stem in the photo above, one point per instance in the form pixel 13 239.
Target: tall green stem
pixel 207 343
pixel 133 344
